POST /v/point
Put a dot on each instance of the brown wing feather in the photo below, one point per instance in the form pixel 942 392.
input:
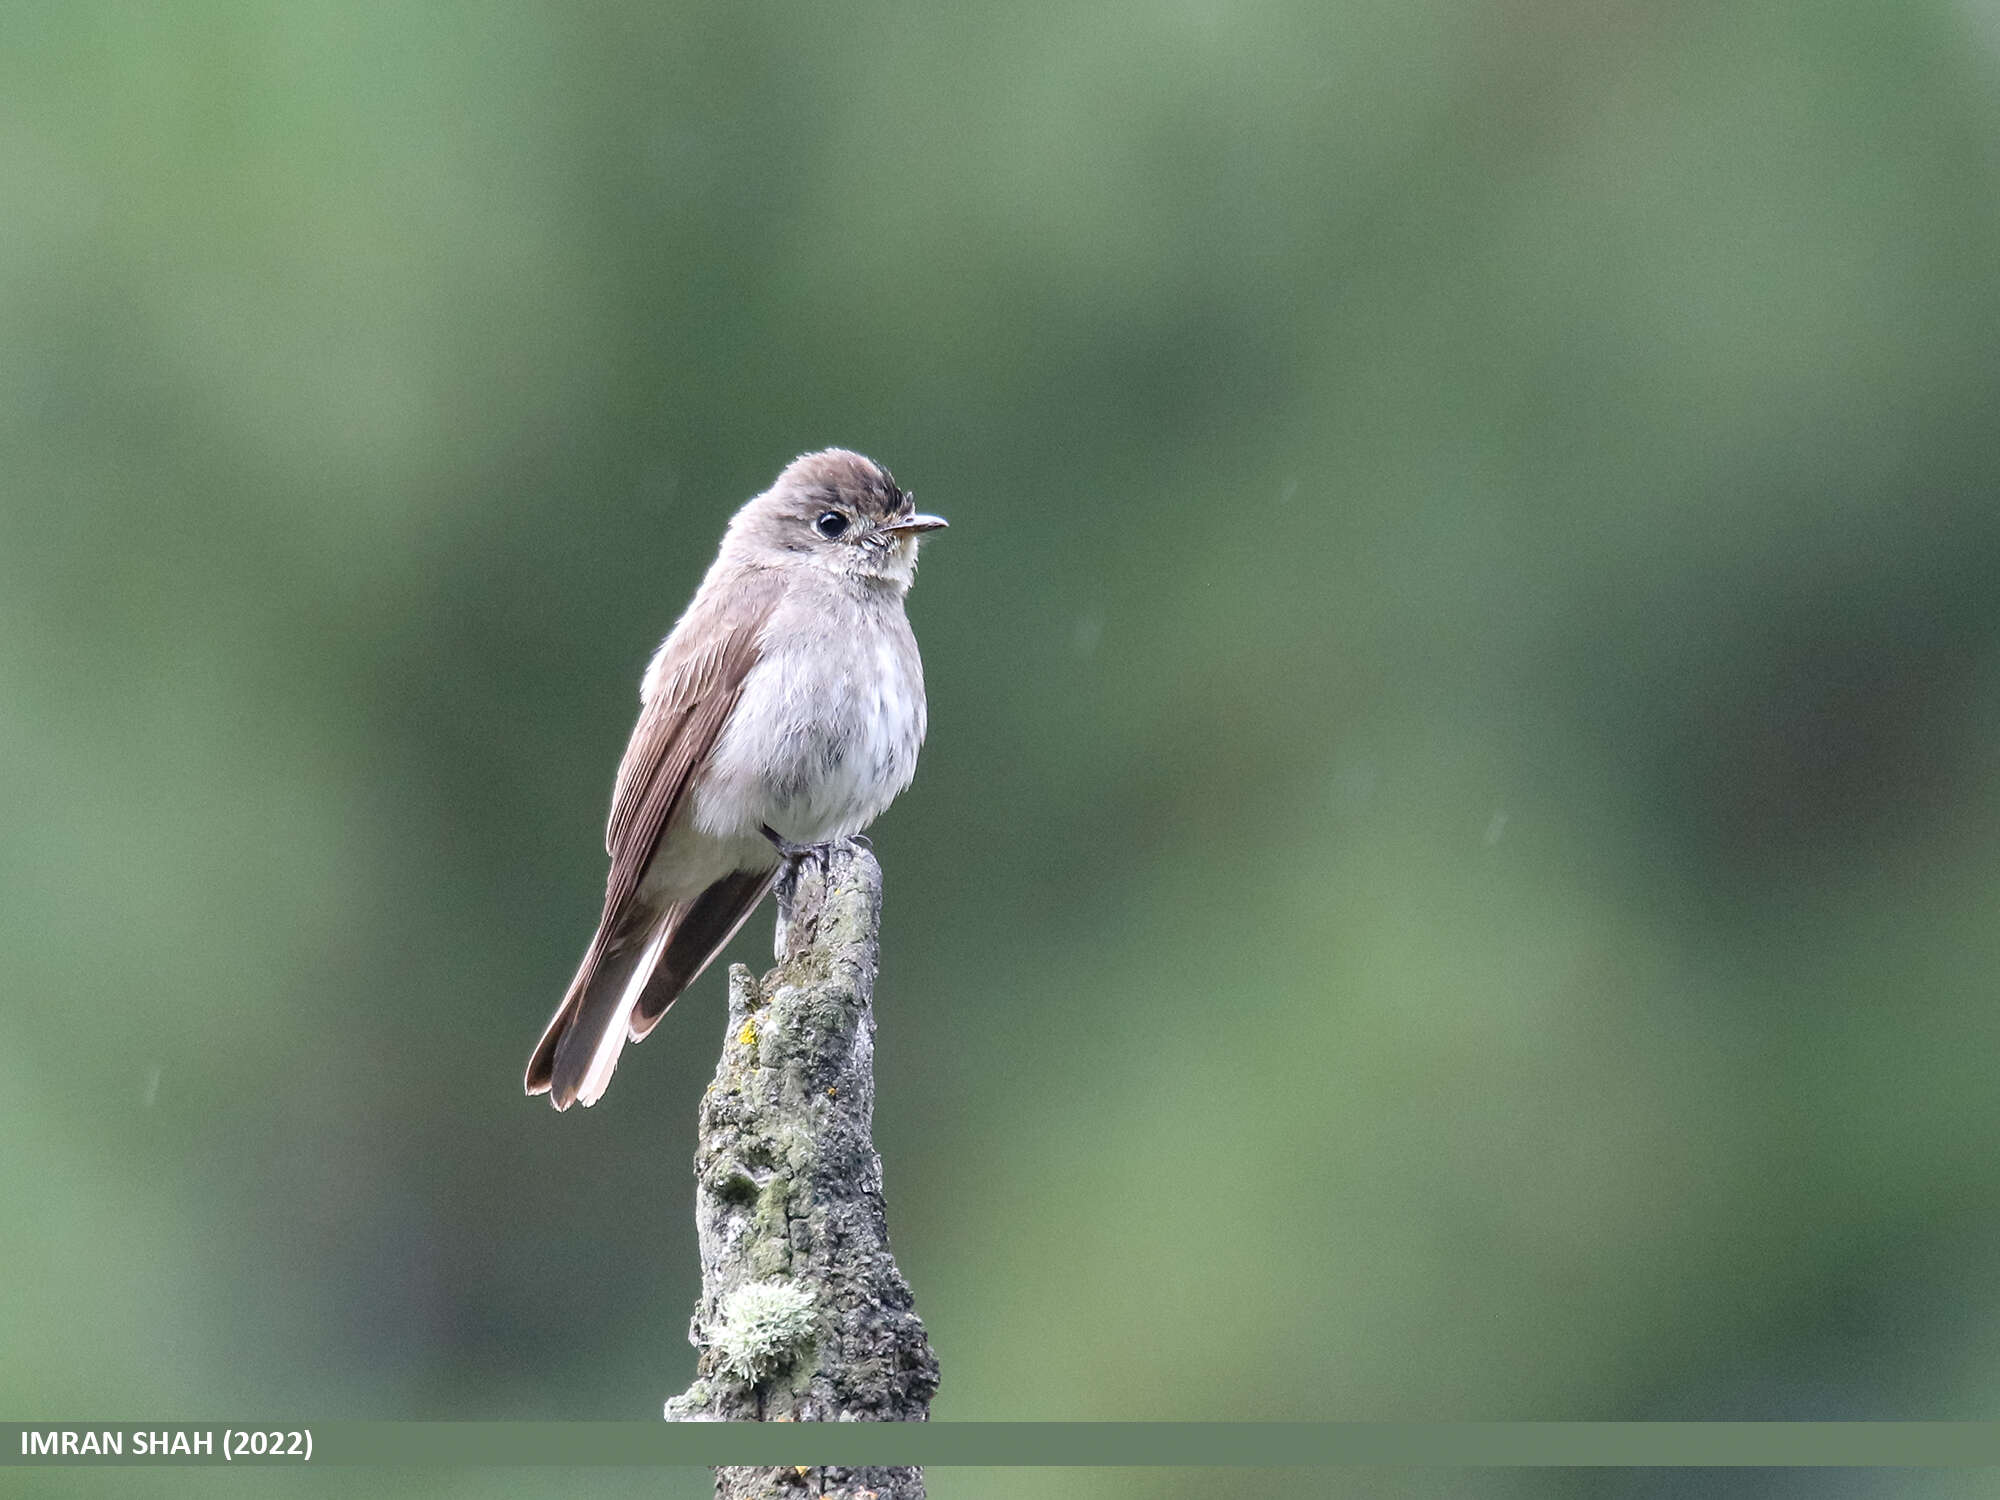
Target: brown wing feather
pixel 707 658
pixel 701 931
pixel 700 677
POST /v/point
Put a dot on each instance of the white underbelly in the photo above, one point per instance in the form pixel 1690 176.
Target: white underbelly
pixel 810 753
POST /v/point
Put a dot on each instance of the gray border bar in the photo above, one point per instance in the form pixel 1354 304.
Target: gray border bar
pixel 1075 1444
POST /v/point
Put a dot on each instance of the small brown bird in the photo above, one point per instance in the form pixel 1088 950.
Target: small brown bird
pixel 785 710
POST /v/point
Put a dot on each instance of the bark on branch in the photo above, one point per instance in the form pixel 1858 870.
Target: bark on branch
pixel 803 1314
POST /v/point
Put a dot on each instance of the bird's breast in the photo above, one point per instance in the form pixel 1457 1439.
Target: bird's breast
pixel 822 739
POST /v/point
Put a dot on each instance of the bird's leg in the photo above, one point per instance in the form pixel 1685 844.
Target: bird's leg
pixel 797 861
pixel 789 851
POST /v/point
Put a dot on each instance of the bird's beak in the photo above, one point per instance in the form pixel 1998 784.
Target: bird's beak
pixel 915 524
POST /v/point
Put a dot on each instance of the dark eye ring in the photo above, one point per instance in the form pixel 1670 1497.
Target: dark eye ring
pixel 830 525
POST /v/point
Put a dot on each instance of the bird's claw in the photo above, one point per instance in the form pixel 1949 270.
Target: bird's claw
pixel 790 852
pixel 796 860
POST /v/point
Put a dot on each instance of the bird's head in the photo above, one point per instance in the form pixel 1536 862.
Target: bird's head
pixel 834 510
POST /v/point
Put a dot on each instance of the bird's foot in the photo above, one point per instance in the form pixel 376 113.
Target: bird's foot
pixel 792 853
pixel 798 862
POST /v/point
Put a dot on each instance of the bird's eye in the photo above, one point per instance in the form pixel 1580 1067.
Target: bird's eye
pixel 830 524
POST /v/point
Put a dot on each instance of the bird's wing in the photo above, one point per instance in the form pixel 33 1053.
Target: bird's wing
pixel 692 687
pixel 698 682
pixel 701 929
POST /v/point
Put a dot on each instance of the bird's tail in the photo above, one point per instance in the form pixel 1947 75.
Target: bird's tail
pixel 581 1044
pixel 629 978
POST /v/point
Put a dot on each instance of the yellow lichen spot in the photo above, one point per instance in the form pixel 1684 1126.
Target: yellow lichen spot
pixel 748 1035
pixel 833 1093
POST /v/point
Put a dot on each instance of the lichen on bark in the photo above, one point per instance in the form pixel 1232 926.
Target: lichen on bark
pixel 804 1315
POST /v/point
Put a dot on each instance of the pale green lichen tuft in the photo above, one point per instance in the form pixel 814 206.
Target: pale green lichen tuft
pixel 761 1328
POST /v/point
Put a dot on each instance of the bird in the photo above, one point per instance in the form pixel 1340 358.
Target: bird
pixel 782 713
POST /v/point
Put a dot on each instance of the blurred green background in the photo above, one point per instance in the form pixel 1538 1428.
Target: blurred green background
pixel 1454 874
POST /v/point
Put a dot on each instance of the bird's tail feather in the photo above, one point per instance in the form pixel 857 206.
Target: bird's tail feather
pixel 701 930
pixel 578 1051
pixel 627 981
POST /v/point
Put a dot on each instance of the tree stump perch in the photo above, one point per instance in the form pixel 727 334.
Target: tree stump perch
pixel 803 1314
